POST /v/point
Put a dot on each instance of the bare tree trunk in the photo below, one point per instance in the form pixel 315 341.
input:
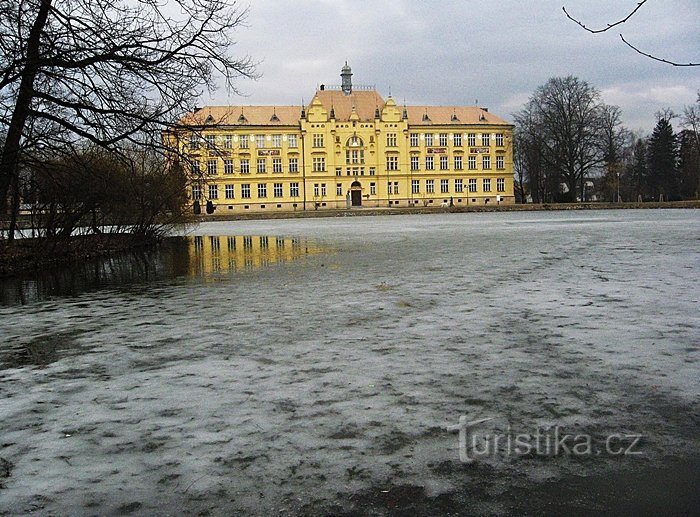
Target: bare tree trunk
pixel 10 153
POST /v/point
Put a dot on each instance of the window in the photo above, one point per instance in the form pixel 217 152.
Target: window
pixel 430 186
pixel 294 189
pixel 276 140
pixel 444 186
pixel 262 189
pixel 486 162
pixel 429 165
pixel 471 139
pixel 487 185
pixel 245 190
pixel 195 168
pixel 229 191
pixel 245 166
pixel 472 184
pixel 373 189
pixel 472 163
pixel 196 192
pixel 354 156
pixel 414 139
pixel 339 189
pixel 443 139
pixel 392 163
pixel 396 187
pixel 262 165
pixel 458 186
pixel 211 141
pixel 292 140
pixel 444 162
pixel 458 163
pixel 260 141
pixel 485 139
pixel 194 142
pixel 244 141
pixel 415 161
pixel 323 189
pixel 501 185
pixel 499 139
pixel 372 171
pixel 316 189
pixel 457 139
pixel 338 171
pixel 428 139
pixel 228 142
pixel 391 139
pixel 294 165
pixel 277 165
pixel 228 166
pixel 213 192
pixel 278 190
pixel 415 186
pixel 500 163
pixel 319 164
pixel 318 140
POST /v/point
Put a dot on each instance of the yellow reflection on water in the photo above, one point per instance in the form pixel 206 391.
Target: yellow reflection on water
pixel 217 254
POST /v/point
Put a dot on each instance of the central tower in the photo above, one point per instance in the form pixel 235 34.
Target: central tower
pixel 346 75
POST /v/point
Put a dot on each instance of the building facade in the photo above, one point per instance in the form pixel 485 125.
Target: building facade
pixel 347 148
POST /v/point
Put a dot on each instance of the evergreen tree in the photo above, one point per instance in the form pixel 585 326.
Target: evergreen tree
pixel 662 178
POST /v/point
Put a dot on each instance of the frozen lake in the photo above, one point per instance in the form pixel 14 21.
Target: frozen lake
pixel 313 365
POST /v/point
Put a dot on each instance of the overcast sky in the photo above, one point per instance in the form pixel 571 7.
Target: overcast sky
pixel 457 52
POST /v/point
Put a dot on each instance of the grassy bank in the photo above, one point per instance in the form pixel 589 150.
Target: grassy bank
pixel 345 212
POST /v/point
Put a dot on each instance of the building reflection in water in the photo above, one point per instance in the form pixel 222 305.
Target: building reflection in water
pixel 219 254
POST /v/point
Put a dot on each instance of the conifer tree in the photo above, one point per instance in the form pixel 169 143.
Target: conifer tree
pixel 662 162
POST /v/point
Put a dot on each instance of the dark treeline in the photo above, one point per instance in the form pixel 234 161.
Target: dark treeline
pixel 570 146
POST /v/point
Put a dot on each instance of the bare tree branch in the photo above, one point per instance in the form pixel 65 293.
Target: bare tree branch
pixel 610 25
pixel 645 54
pixel 619 22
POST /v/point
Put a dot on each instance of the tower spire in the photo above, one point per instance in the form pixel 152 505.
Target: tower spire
pixel 346 75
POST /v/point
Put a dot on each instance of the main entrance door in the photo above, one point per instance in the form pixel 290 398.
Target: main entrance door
pixel 356 193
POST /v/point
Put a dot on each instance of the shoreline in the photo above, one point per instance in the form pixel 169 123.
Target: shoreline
pixel 31 255
pixel 362 212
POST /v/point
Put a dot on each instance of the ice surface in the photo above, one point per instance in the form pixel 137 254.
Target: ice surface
pixel 285 387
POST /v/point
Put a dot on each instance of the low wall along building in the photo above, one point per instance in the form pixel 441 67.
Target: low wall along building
pixel 348 148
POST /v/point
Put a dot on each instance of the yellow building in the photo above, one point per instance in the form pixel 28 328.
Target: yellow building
pixel 348 148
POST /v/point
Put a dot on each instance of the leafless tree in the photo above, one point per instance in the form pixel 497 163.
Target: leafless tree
pixel 691 119
pixel 566 122
pixel 609 26
pixel 614 140
pixel 106 71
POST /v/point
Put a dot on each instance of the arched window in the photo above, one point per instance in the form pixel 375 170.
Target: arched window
pixel 354 141
pixel 354 153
